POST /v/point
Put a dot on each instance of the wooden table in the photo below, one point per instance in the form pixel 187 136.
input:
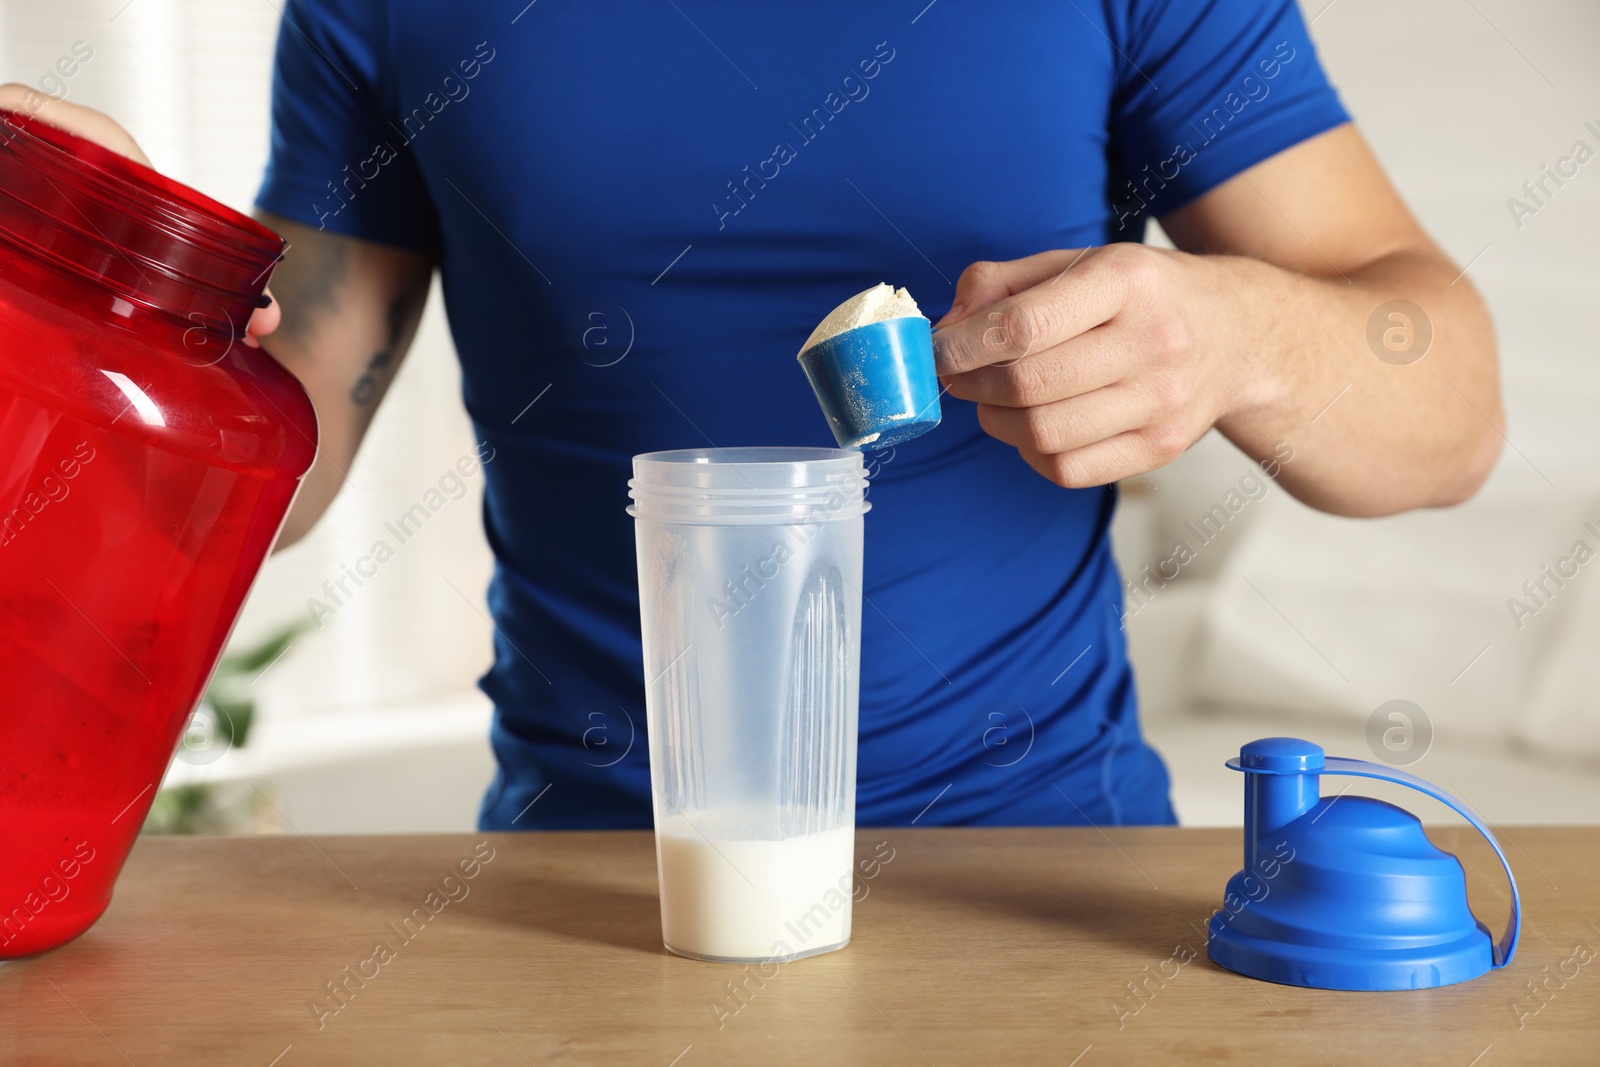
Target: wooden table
pixel 971 947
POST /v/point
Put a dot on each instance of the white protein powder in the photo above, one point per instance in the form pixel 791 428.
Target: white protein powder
pixel 750 899
pixel 878 304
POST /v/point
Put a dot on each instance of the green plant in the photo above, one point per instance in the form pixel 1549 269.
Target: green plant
pixel 229 691
pixel 186 809
pixel 200 808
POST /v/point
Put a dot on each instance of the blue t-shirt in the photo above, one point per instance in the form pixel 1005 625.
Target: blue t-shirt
pixel 641 209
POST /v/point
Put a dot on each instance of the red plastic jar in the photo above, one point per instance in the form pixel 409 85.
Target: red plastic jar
pixel 148 456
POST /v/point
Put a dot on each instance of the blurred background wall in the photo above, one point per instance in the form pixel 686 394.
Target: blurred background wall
pixel 1289 622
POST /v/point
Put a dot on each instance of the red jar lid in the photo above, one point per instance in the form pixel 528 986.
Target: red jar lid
pixel 149 240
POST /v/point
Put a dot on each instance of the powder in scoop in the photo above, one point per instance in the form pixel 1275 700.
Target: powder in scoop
pixel 878 304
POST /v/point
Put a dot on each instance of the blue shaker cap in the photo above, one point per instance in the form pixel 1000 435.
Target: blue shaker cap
pixel 1347 892
pixel 1281 755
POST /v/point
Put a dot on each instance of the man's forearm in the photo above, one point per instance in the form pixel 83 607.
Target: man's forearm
pixel 350 310
pixel 1376 428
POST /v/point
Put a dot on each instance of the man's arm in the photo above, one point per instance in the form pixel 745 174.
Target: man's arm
pixel 1109 362
pixel 349 311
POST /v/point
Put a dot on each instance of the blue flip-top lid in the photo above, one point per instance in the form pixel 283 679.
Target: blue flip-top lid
pixel 1347 892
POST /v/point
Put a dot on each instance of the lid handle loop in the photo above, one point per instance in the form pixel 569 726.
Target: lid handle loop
pixel 1357 768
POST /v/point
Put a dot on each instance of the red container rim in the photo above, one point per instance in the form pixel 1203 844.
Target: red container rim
pixel 154 242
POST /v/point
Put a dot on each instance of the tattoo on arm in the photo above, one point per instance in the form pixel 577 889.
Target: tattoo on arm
pixel 369 385
pixel 308 283
pixel 319 281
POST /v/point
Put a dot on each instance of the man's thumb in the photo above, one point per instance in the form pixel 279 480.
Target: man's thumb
pixel 987 281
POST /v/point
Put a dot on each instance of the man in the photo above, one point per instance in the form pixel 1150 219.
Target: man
pixel 702 182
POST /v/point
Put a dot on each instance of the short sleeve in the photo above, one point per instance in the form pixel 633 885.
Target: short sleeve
pixel 337 162
pixel 1209 88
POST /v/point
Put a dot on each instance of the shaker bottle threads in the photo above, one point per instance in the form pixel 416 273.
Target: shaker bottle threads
pixel 749 579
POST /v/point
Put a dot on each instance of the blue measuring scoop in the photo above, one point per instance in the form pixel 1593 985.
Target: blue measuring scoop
pixel 876 383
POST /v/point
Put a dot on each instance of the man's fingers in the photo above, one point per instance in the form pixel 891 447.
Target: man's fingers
pixel 987 281
pixel 1101 463
pixel 85 122
pixel 1070 371
pixel 1067 424
pixel 1087 362
pixel 1032 321
pixel 263 321
pixel 266 319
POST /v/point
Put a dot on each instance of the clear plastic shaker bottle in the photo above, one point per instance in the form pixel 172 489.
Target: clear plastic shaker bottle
pixel 750 602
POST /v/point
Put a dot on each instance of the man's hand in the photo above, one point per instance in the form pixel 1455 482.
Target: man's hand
pixel 104 131
pixel 86 122
pixel 1096 364
pixel 1101 364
